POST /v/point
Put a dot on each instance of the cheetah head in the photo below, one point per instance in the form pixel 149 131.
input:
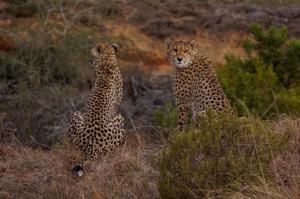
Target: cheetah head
pixel 103 54
pixel 180 52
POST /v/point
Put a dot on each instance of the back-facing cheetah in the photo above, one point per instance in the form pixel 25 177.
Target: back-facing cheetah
pixel 195 86
pixel 98 128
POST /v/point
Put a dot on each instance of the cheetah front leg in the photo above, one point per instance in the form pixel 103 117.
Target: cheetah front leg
pixel 183 116
pixel 198 112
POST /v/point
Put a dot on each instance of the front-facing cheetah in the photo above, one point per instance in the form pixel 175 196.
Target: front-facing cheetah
pixel 195 86
pixel 98 129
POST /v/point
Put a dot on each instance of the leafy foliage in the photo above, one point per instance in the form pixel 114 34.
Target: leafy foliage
pixel 283 54
pixel 268 77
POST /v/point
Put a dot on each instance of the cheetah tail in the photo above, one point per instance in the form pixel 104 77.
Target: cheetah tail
pixel 78 170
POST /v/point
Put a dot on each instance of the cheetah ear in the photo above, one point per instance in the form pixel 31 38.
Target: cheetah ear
pixel 115 46
pixel 168 42
pixel 193 44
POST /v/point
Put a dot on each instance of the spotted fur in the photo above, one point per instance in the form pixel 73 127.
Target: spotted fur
pixel 195 86
pixel 98 129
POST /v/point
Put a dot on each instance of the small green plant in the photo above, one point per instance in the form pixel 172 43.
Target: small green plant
pixel 225 151
pixel 166 116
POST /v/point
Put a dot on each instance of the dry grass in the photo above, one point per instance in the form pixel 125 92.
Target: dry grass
pixel 285 168
pixel 126 173
pixel 29 173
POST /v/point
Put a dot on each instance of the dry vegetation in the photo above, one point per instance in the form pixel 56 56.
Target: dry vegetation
pixel 45 77
pixel 34 173
pixel 128 172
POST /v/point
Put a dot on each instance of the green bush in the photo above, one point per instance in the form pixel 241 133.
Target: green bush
pixel 275 49
pixel 267 80
pixel 167 116
pixel 224 152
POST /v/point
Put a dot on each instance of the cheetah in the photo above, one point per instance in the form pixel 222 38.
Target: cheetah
pixel 98 129
pixel 195 86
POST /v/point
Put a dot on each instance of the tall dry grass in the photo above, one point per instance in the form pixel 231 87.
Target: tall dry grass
pixel 29 173
pixel 285 168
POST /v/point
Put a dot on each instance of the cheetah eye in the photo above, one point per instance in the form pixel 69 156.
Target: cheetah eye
pixel 175 50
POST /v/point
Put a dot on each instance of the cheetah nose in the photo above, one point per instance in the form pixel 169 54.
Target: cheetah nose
pixel 179 59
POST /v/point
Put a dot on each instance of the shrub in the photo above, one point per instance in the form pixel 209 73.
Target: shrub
pixel 36 63
pixel 275 49
pixel 267 80
pixel 255 89
pixel 166 116
pixel 226 151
